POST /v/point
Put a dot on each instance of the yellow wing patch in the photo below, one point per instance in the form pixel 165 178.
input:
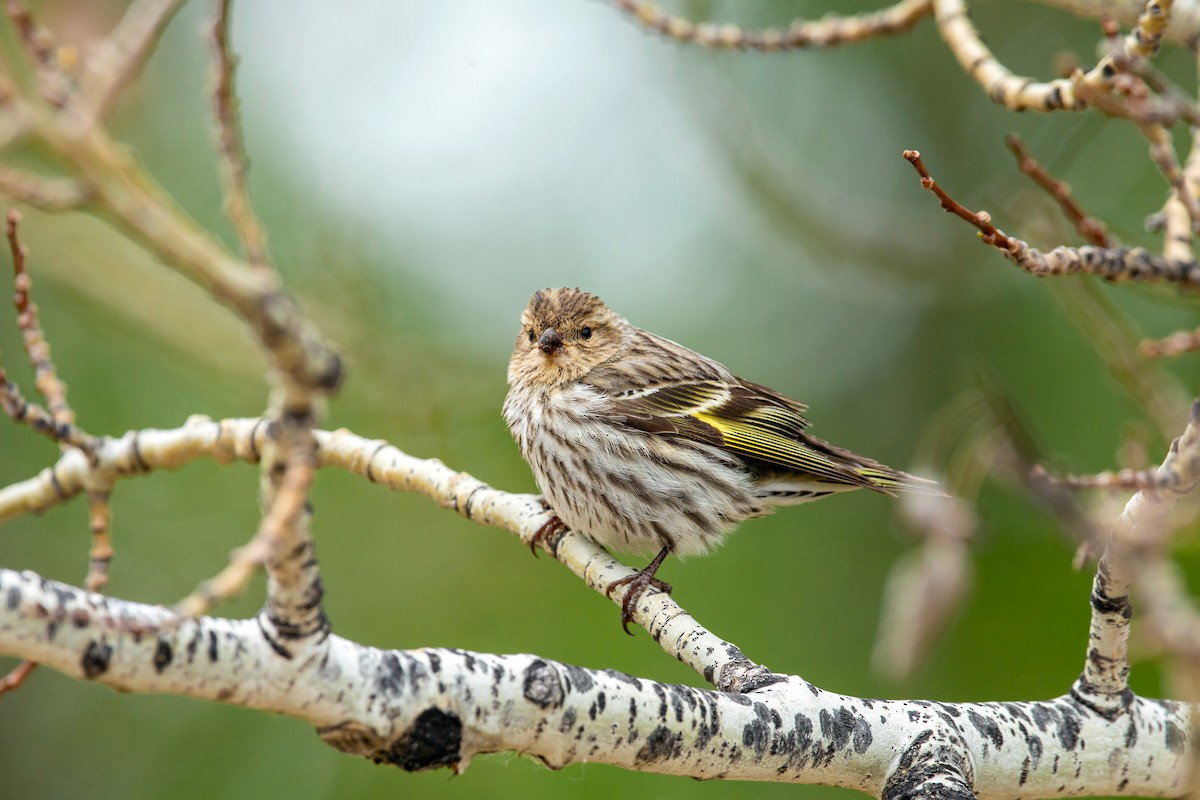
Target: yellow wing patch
pixel 765 444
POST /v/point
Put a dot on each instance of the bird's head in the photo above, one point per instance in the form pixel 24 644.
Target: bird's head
pixel 565 334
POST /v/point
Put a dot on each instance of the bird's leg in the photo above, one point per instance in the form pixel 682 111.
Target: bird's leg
pixel 552 527
pixel 638 584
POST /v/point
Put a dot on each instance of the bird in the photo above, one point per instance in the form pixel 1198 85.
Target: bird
pixel 645 446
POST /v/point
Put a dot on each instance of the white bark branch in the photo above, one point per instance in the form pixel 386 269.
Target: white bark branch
pixel 421 709
pixel 427 708
pixel 138 452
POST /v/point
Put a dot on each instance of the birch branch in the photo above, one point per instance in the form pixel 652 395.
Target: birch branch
pixel 428 708
pixel 139 452
pixel 422 709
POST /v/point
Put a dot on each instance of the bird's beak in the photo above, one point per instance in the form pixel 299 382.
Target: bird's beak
pixel 550 343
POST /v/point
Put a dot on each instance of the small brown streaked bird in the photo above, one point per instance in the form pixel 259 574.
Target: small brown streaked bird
pixel 648 447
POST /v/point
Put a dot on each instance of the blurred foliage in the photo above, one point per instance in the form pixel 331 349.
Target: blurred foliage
pixel 753 207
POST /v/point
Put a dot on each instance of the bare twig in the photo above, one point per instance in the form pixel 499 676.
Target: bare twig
pixel 1112 264
pixel 1176 344
pixel 284 524
pixel 53 83
pixel 1115 338
pixel 829 31
pixel 36 347
pixel 1090 228
pixel 116 60
pixel 1146 37
pixel 229 141
pixel 100 524
pixel 1012 91
pixel 924 589
pixel 1178 229
pixel 48 194
pixel 39 419
pixel 1136 479
pixel 1162 152
pixel 16 677
pixel 58 422
pixel 982 220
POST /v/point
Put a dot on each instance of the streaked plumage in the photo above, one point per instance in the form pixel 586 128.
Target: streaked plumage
pixel 648 447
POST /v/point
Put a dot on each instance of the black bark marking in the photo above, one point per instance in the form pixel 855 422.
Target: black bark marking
pixel 624 678
pixel 1042 716
pixel 543 686
pixel 759 680
pixel 1112 605
pixel 1024 772
pixel 13 598
pixel 679 697
pixel 843 725
pixel 804 732
pixel 417 674
pixel 1035 749
pixel 987 728
pixel 1016 712
pixel 568 721
pixel 661 744
pixel 915 774
pixel 597 706
pixel 162 655
pixel 757 733
pixel 862 737
pixel 389 676
pixel 662 701
pixel 212 646
pixel 1131 734
pixel 95 659
pixel 710 722
pixel 1068 729
pixel 1175 738
pixel 434 740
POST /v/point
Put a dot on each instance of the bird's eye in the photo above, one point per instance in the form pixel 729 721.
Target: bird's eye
pixel 532 335
pixel 585 332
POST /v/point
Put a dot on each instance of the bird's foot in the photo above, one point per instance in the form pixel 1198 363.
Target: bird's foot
pixel 637 584
pixel 552 527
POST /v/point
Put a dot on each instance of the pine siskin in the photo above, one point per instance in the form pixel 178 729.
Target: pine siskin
pixel 646 446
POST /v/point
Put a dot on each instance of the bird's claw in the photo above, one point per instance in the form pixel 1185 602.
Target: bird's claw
pixel 637 586
pixel 551 527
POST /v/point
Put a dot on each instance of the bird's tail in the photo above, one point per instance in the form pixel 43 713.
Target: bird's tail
pixel 891 481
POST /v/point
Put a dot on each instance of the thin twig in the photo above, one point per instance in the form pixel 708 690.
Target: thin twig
pixel 13 680
pixel 1176 344
pixel 1012 91
pixel 982 220
pixel 1091 229
pixel 118 58
pixel 36 347
pixel 1178 230
pixel 286 511
pixel 829 31
pixel 1125 479
pixel 230 151
pixel 1113 264
pixel 53 83
pixel 1115 337
pixel 100 523
pixel 48 194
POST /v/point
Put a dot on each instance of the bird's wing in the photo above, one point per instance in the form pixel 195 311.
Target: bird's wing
pixel 742 418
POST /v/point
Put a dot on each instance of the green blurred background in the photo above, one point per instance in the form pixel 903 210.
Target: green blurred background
pixel 422 169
